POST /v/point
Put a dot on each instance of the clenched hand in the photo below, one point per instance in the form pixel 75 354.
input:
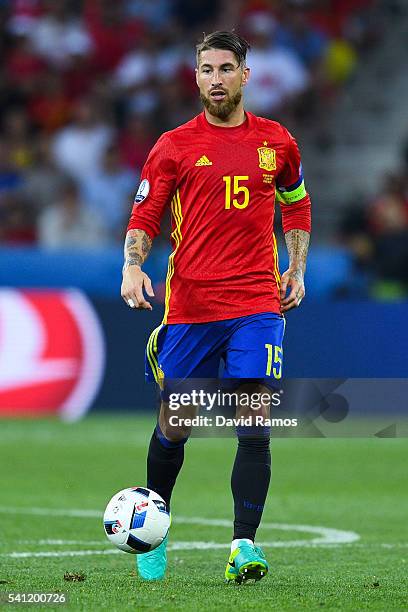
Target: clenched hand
pixel 292 279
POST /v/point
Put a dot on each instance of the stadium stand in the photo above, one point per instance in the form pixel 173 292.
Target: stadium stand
pixel 87 86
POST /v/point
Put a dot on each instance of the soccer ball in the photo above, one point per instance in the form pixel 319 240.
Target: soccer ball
pixel 136 520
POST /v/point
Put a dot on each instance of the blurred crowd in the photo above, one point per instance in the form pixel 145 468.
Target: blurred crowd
pixel 87 86
pixel 376 233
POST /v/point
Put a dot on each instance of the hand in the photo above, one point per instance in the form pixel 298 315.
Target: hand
pixel 292 279
pixel 134 281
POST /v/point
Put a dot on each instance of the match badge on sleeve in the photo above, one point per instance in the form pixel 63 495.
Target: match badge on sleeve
pixel 142 192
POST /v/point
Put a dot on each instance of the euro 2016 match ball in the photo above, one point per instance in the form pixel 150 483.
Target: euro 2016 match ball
pixel 136 520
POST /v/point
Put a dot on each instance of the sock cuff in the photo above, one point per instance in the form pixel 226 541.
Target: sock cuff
pixel 253 431
pixel 168 443
pixel 235 543
pixel 253 443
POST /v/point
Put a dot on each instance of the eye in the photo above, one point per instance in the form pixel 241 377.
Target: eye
pixel 206 70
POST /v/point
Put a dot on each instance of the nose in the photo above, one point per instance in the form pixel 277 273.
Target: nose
pixel 216 79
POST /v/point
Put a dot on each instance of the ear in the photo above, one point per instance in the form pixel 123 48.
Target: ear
pixel 245 76
pixel 196 75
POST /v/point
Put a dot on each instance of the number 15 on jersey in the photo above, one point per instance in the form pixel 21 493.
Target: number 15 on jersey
pixel 234 187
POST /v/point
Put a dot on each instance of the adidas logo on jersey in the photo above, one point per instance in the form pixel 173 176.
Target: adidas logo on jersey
pixel 204 161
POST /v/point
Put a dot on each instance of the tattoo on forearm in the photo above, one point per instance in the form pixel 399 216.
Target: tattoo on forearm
pixel 136 260
pixel 137 247
pixel 297 242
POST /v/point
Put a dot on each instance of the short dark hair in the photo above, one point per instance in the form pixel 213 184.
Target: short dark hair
pixel 230 41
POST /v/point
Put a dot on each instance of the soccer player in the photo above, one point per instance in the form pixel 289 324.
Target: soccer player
pixel 220 173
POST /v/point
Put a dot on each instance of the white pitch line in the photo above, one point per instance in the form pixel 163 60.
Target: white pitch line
pixel 326 536
pixel 62 553
pixel 172 546
pixel 393 545
pixel 64 542
pixel 52 512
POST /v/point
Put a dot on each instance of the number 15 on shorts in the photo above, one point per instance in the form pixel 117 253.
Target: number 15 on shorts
pixel 274 361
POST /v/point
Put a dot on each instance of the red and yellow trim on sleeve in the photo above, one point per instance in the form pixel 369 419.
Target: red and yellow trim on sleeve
pixel 177 237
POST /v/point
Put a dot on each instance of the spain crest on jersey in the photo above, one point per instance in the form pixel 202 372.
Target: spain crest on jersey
pixel 267 158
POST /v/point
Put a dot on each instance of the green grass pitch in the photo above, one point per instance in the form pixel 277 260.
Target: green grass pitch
pixel 49 470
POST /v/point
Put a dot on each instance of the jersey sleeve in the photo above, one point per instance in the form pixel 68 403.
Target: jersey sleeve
pixel 157 186
pixel 291 191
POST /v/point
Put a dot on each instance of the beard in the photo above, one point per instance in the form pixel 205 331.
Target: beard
pixel 222 109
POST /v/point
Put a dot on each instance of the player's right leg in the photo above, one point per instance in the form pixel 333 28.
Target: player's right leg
pixel 164 461
pixel 173 352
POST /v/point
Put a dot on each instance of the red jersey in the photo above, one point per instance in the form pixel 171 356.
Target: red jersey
pixel 221 185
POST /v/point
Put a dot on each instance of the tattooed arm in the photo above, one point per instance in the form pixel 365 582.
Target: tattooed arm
pixel 137 246
pixel 297 242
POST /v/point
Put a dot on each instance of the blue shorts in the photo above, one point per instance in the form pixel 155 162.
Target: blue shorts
pixel 247 347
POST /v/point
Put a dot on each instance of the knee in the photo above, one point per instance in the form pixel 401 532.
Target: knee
pixel 174 433
pixel 258 404
pixel 173 422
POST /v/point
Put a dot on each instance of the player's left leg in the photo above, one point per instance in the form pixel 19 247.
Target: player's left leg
pixel 249 483
pixel 254 351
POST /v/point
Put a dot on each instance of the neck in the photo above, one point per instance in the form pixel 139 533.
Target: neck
pixel 237 117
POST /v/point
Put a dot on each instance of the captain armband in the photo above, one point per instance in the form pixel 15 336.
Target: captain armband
pixel 290 195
